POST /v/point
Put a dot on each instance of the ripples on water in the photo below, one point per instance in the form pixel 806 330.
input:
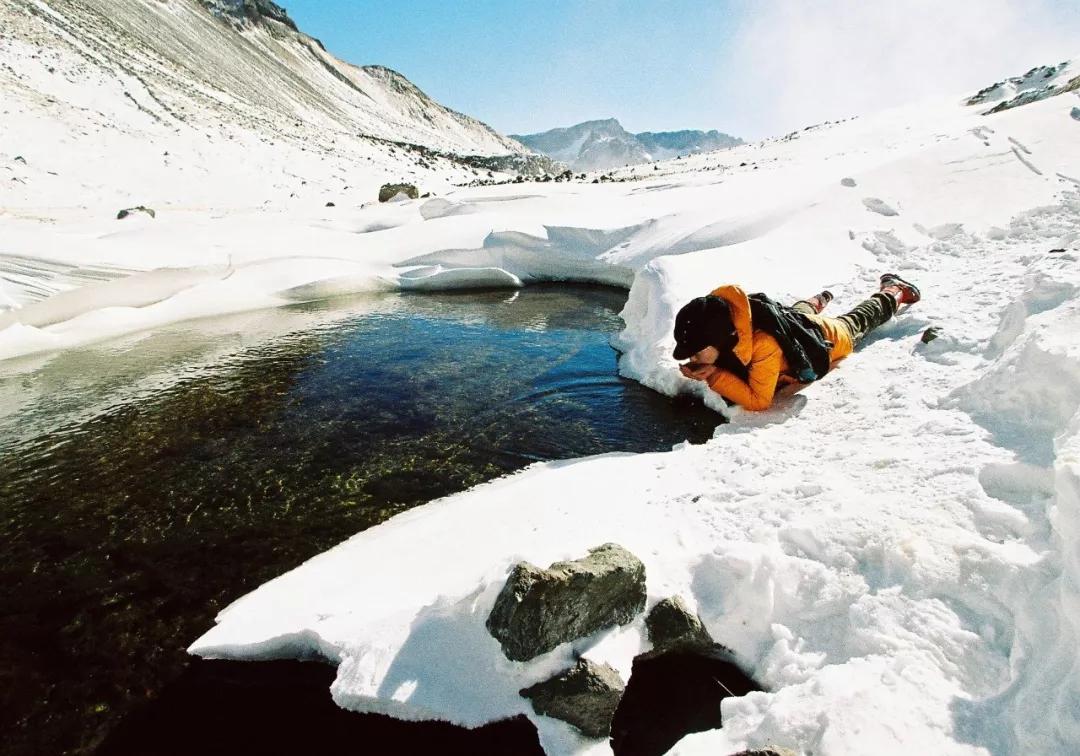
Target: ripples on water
pixel 148 482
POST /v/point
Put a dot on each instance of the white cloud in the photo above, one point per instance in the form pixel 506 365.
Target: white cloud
pixel 793 62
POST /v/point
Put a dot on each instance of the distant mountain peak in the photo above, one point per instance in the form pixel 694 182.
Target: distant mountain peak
pixel 604 143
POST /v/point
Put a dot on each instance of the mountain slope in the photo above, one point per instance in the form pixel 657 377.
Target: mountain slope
pixel 604 144
pixel 187 73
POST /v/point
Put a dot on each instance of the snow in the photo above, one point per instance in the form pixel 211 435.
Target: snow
pixel 894 551
pixel 891 550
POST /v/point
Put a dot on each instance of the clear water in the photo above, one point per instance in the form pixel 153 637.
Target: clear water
pixel 146 483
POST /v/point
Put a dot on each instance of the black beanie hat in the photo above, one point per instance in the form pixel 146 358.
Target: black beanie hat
pixel 702 322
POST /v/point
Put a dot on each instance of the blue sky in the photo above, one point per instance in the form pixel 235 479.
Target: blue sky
pixel 747 67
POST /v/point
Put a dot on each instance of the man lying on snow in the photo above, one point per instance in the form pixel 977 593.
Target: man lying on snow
pixel 743 346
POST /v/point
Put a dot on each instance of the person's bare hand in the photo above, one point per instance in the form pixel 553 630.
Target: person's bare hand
pixel 697 371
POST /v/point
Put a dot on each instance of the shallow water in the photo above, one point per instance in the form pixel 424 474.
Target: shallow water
pixel 146 483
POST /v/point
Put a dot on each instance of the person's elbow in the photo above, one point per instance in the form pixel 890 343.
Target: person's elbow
pixel 758 403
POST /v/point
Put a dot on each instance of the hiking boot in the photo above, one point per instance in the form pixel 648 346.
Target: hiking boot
pixel 903 292
pixel 820 301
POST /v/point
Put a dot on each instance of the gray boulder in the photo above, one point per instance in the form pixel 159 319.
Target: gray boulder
pixel 388 191
pixel 767 751
pixel 584 696
pixel 849 182
pixel 671 624
pixel 132 210
pixel 539 609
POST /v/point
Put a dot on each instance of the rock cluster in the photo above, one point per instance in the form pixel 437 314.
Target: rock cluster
pixel 674 689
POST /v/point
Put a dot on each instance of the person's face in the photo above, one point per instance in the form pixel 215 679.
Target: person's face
pixel 706 356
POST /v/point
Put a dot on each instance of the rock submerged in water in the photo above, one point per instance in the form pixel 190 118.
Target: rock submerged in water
pixel 538 610
pixel 388 191
pixel 584 696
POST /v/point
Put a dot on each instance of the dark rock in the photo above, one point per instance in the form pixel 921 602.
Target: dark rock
pixel 584 696
pixel 672 694
pixel 671 624
pixel 20 159
pixel 389 191
pixel 847 182
pixel 767 751
pixel 930 334
pixel 330 204
pixel 250 11
pixel 1075 113
pixel 131 210
pixel 539 609
pixel 425 195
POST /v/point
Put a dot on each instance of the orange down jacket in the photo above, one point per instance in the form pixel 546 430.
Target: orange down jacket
pixel 762 355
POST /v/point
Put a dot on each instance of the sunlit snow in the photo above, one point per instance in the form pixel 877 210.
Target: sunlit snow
pixel 893 550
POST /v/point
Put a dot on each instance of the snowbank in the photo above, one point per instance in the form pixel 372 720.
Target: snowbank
pixel 892 550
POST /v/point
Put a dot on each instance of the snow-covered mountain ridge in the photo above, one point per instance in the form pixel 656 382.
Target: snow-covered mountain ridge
pixel 600 145
pixel 1037 84
pixel 226 87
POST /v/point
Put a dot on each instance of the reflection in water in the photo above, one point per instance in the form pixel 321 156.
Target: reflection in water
pixel 146 483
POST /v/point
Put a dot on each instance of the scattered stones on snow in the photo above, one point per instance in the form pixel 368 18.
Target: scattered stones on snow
pixel 584 696
pixel 388 191
pixel 673 693
pixel 132 210
pixel 538 609
pixel 847 182
pixel 671 624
